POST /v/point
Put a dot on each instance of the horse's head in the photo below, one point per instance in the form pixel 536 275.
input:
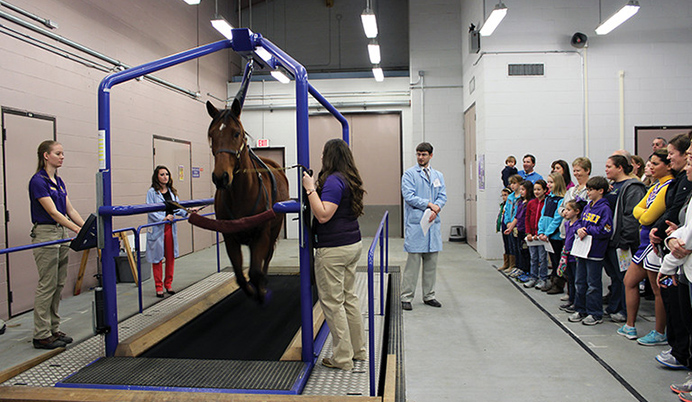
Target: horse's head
pixel 228 143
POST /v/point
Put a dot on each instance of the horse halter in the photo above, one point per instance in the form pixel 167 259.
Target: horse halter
pixel 231 151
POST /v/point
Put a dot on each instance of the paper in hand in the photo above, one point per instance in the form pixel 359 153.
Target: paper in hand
pixel 425 221
pixel 581 247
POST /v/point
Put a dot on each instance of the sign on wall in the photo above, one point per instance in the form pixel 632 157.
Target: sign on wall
pixel 481 172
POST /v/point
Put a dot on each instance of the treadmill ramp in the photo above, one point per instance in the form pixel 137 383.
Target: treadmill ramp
pixel 129 372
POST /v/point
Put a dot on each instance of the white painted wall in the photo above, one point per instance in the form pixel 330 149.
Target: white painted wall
pixel 436 101
pixel 546 116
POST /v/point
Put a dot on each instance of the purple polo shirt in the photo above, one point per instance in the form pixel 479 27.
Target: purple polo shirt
pixel 342 229
pixel 41 186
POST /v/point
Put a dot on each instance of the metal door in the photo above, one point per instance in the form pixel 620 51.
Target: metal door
pixel 23 132
pixel 471 181
pixel 376 146
pixel 176 155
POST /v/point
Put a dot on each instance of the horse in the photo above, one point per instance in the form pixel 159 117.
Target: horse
pixel 245 186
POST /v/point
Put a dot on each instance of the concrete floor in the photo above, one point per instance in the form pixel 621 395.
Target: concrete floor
pixel 491 339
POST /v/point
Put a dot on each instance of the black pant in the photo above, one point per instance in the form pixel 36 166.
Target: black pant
pixel 555 256
pixel 676 300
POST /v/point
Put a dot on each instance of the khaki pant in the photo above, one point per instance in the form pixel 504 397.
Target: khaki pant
pixel 51 262
pixel 335 274
pixel 410 277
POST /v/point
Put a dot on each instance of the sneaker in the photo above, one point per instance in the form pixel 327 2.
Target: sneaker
pixel 569 309
pixel 685 387
pixel 523 278
pixel 666 352
pixel 564 306
pixel 565 297
pixel 618 317
pixel 406 306
pixel 685 397
pixel 653 338
pixel 49 343
pixel 628 332
pixel 63 337
pixel 547 285
pixel 576 317
pixel 591 320
pixel 516 273
pixel 530 283
pixel 540 284
pixel 672 363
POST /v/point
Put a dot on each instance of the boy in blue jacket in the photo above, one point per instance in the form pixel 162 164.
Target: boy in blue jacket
pixel 596 221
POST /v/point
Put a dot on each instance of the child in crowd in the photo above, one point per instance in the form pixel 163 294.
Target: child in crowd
pixel 539 258
pixel 509 170
pixel 549 228
pixel 572 214
pixel 596 221
pixel 510 220
pixel 523 258
pixel 500 226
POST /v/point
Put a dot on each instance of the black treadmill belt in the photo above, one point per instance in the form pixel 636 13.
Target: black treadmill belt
pixel 238 328
pixel 188 373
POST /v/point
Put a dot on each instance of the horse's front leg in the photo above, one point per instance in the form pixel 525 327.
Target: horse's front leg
pixel 236 257
pixel 258 266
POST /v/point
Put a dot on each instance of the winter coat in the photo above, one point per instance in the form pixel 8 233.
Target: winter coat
pixel 550 220
pixel 625 225
pixel 533 213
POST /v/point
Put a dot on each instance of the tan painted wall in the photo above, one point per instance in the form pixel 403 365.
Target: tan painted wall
pixel 134 32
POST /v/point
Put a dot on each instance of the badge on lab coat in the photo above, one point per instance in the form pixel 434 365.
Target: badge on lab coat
pixel 437 183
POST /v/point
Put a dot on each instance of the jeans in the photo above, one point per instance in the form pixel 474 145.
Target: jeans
pixel 616 304
pixel 539 262
pixel 588 296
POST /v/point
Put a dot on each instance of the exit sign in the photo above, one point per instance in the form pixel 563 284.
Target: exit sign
pixel 263 143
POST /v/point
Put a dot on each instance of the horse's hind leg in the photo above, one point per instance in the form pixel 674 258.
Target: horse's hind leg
pixel 236 256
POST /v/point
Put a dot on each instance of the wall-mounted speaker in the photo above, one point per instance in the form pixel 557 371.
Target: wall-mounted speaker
pixel 579 40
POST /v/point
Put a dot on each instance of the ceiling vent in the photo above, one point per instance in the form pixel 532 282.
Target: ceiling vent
pixel 525 69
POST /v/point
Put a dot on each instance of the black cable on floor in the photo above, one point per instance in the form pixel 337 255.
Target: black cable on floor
pixel 581 343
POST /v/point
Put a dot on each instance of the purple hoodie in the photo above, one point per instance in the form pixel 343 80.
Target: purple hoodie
pixel 570 233
pixel 521 216
pixel 597 219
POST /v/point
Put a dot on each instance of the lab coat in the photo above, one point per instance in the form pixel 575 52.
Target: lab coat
pixel 155 233
pixel 417 191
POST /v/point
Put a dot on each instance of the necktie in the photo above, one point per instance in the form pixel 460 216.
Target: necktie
pixel 427 173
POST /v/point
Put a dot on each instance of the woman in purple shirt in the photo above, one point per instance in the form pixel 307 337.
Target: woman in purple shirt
pixel 336 203
pixel 52 214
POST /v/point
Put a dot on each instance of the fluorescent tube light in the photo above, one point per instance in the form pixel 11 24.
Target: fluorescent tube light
pixel 374 52
pixel 494 19
pixel 369 23
pixel 222 26
pixel 263 53
pixel 618 18
pixel 192 2
pixel 378 74
pixel 281 77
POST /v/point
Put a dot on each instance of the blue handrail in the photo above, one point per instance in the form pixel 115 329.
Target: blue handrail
pixel 384 261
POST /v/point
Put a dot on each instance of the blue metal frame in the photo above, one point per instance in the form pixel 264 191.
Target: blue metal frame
pixel 384 262
pixel 244 42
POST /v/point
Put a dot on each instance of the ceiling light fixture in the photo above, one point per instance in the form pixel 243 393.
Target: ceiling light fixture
pixel 625 13
pixel 192 2
pixel 281 77
pixel 369 22
pixel 378 73
pixel 494 19
pixel 263 53
pixel 374 52
pixel 222 26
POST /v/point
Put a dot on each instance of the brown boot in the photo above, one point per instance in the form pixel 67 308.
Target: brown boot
pixel 505 265
pixel 558 286
pixel 512 264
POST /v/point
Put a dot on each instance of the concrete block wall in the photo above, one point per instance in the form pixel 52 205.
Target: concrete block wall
pixel 546 116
